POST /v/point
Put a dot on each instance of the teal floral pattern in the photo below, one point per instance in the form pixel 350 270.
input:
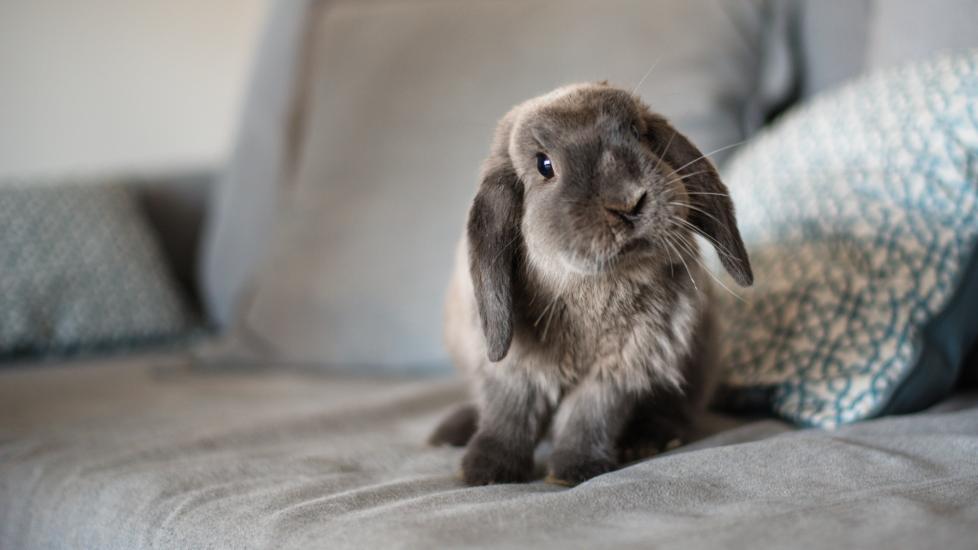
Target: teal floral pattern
pixel 860 211
pixel 80 269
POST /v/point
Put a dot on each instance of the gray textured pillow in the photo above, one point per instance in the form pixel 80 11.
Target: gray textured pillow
pixel 79 270
pixel 394 119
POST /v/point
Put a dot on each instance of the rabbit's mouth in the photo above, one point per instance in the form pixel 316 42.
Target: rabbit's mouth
pixel 610 259
pixel 634 246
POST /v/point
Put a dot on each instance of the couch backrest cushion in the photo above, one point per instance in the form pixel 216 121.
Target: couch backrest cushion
pixel 841 39
pixel 396 104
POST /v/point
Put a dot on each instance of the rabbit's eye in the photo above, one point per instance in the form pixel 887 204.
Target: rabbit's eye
pixel 544 166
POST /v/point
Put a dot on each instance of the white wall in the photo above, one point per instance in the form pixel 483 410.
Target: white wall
pixel 115 85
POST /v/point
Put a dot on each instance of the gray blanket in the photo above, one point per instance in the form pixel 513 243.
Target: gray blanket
pixel 154 453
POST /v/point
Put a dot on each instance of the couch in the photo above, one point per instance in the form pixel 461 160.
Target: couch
pixel 233 440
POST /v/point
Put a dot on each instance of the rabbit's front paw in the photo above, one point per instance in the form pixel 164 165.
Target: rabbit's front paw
pixel 570 468
pixel 488 460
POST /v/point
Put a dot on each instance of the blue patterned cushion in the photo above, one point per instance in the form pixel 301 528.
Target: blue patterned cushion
pixel 79 269
pixel 860 211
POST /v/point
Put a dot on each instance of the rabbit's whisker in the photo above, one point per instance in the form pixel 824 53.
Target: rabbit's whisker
pixel 678 179
pixel 665 150
pixel 546 309
pixel 505 248
pixel 559 291
pixel 710 154
pixel 694 229
pixel 685 265
pixel 562 288
pixel 691 174
pixel 546 326
pixel 719 282
pixel 647 73
pixel 672 263
pixel 696 208
pixel 686 246
pixel 710 273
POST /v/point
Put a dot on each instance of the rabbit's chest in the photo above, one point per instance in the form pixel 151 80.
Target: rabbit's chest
pixel 632 340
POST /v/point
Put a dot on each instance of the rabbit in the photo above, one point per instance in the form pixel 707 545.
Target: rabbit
pixel 578 305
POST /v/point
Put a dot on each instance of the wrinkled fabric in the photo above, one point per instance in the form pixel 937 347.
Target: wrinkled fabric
pixel 154 453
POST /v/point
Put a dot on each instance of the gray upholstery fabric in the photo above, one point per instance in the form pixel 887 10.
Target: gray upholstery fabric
pixel 909 30
pixel 246 196
pixel 840 39
pixel 832 42
pixel 150 453
pixel 397 111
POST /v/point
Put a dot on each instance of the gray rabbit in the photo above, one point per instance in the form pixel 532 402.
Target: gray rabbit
pixel 579 306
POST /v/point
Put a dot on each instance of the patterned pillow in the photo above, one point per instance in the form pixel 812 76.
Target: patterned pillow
pixel 860 211
pixel 79 269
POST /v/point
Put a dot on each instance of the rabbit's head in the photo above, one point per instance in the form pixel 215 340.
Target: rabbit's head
pixel 588 180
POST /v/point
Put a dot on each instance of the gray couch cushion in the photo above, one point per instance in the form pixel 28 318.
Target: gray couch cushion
pixel 151 453
pixel 246 197
pixel 910 30
pixel 396 114
pixel 841 39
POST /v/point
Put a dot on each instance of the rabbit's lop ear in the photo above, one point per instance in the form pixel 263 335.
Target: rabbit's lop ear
pixel 493 231
pixel 712 211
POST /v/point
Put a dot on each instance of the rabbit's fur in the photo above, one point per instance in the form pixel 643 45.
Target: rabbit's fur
pixel 578 304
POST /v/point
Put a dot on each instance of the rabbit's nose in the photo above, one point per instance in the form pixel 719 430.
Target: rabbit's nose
pixel 626 212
